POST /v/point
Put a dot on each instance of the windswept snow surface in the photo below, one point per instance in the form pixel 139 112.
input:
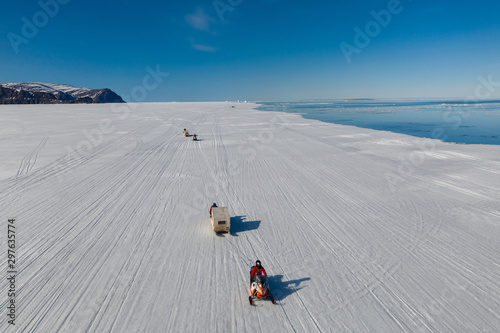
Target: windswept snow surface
pixel 359 230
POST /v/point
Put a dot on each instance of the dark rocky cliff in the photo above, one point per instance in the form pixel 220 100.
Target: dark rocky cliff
pixel 24 94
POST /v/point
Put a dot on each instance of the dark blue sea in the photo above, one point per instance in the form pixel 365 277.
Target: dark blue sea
pixel 449 121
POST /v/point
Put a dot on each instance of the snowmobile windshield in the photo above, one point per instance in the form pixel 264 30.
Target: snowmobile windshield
pixel 261 279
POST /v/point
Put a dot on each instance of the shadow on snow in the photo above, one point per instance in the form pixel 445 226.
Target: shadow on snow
pixel 281 289
pixel 238 224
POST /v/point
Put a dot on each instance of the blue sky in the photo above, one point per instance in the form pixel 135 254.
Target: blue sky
pixel 259 50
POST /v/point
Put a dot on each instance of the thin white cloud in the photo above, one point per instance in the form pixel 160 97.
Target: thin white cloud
pixel 204 48
pixel 200 20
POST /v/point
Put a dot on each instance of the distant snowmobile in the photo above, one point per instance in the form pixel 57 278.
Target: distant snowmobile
pixel 259 289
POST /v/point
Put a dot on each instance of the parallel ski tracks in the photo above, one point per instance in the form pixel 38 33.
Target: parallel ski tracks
pixel 30 159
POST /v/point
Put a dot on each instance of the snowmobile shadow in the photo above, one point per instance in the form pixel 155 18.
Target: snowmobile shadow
pixel 238 224
pixel 281 289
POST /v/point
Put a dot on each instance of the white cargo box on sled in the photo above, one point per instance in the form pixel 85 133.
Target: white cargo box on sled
pixel 185 133
pixel 221 222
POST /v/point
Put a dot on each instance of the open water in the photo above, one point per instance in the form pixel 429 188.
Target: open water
pixel 449 121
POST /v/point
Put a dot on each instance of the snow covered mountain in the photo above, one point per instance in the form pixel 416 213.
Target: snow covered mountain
pixel 51 93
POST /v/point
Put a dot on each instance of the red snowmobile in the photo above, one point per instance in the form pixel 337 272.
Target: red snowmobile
pixel 259 289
